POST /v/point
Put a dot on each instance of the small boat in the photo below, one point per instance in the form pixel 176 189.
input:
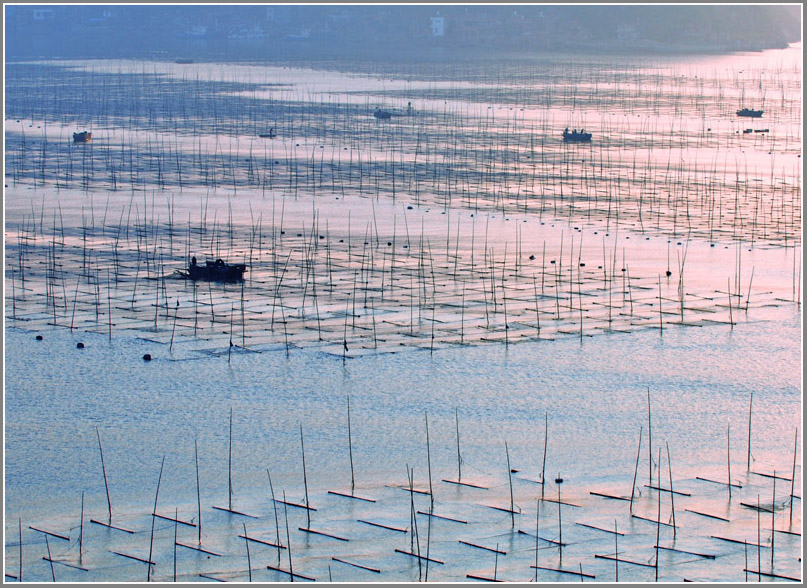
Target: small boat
pixel 82 137
pixel 182 61
pixel 382 114
pixel 575 136
pixel 215 271
pixel 746 131
pixel 748 112
pixel 268 135
pixel 762 130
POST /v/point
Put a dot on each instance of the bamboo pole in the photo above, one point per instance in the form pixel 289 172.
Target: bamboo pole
pixel 750 405
pixel 635 470
pixel 305 479
pixel 543 466
pixel 510 479
pixel 350 448
pixel 672 492
pixel 153 519
pixel 81 530
pixel 103 469
pixel 198 493
pixel 793 474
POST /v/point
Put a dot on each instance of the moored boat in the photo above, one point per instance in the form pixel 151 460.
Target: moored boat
pixel 82 137
pixel 750 113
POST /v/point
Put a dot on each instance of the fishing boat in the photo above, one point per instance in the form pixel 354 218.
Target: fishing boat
pixel 576 136
pixel 82 137
pixel 215 271
pixel 750 113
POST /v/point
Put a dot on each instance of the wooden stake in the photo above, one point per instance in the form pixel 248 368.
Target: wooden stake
pixel 305 479
pixel 793 475
pixel 616 552
pixel 510 478
pixel 658 525
pixel 635 470
pixel 429 458
pixel 750 405
pixel 50 559
pixel 350 448
pixel 773 517
pixel 728 457
pixel 153 519
pixel 543 466
pixel 759 534
pixel 81 529
pixel 198 494
pixel 249 561
pixel 559 481
pixel 274 505
pixel 537 517
pixel 103 469
pixel 288 537
pixel 672 492
pixel 459 458
pixel 230 466
pixel 649 441
pixel 176 524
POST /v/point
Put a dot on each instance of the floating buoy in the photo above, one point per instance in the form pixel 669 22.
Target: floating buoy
pixel 79 345
pixel 532 257
pixel 669 273
pixel 147 357
pixel 409 207
pixel 39 337
pixel 389 243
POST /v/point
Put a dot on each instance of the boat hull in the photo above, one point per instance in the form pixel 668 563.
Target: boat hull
pixel 217 272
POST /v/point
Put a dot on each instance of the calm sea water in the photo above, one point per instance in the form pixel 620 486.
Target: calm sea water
pixel 592 393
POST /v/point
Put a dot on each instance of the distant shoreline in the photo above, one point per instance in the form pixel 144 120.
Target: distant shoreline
pixel 281 50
